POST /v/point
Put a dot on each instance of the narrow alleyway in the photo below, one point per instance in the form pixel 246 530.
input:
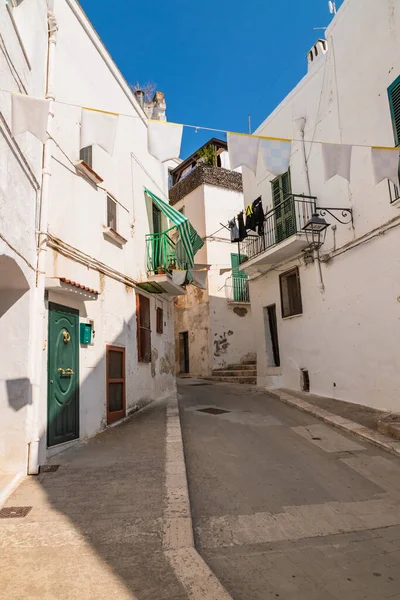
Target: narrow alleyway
pixel 283 505
pixel 95 527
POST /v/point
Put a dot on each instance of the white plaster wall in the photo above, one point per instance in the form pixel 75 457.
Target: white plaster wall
pixel 220 334
pixel 231 335
pixel 77 215
pixel 20 173
pixel 345 335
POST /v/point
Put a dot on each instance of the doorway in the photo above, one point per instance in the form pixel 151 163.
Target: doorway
pixel 184 352
pixel 271 336
pixel 63 375
pixel 115 356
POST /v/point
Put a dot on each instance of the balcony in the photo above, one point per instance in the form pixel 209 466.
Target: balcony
pixel 161 260
pixel 283 235
pixel 237 290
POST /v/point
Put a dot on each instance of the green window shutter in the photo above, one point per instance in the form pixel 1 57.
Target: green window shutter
pixel 394 103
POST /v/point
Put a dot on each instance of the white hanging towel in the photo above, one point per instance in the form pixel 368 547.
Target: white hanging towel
pixel 164 140
pixel 337 160
pixel 243 151
pixel 29 114
pixel 275 154
pixel 385 164
pixel 98 127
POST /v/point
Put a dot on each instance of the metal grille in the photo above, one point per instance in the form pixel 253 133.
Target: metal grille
pixel 212 411
pixel 14 512
pixel 49 468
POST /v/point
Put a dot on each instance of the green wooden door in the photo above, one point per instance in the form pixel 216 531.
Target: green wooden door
pixel 285 219
pixel 239 280
pixel 63 375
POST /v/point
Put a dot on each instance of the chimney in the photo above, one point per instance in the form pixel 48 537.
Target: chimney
pixel 156 108
pixel 139 95
pixel 316 53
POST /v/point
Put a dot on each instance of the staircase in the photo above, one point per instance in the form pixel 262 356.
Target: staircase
pixel 240 373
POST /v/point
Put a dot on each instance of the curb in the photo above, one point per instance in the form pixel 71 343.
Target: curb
pixel 199 581
pixel 364 433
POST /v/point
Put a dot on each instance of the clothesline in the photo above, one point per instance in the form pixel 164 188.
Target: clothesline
pixel 214 129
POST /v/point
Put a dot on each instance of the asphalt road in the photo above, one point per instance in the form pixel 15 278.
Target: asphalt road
pixel 284 506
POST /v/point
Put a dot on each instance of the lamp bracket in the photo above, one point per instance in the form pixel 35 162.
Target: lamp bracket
pixel 345 213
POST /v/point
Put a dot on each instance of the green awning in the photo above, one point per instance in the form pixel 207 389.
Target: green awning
pixel 189 240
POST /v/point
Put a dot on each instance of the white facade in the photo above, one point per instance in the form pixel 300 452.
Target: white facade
pixel 219 329
pixel 20 179
pixel 346 336
pixel 104 268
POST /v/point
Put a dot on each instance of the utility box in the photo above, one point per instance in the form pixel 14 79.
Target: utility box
pixel 86 333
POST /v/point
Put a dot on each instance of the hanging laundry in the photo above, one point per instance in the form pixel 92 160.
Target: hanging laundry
pixel 250 218
pixel 98 127
pixel 337 159
pixel 242 228
pixel 243 151
pixel 275 154
pixel 164 140
pixel 259 215
pixel 178 276
pixel 234 231
pixel 385 164
pixel 198 278
pixel 29 114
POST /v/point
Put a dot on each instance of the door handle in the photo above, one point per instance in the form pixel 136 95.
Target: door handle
pixel 64 372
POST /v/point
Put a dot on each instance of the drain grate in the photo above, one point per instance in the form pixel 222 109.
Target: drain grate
pixel 201 383
pixel 49 468
pixel 14 512
pixel 316 438
pixel 212 411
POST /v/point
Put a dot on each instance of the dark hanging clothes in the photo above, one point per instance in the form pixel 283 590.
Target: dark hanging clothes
pixel 234 231
pixel 250 218
pixel 259 216
pixel 242 228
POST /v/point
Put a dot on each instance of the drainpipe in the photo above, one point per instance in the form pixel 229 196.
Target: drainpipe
pixel 39 313
pixel 317 263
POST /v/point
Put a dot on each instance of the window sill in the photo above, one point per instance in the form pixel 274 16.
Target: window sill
pixel 113 235
pixel 88 172
pixel 292 317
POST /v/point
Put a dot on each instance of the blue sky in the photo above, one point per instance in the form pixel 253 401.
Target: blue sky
pixel 216 61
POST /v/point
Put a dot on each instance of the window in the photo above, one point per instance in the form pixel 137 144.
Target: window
pixel 170 179
pixel 284 216
pixel 86 155
pixel 394 103
pixel 160 320
pixel 143 328
pixel 115 383
pixel 111 213
pixel 290 293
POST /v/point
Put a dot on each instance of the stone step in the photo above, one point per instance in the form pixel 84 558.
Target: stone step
pixel 244 367
pixel 249 380
pixel 234 373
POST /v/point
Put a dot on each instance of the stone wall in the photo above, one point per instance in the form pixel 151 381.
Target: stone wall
pixel 216 176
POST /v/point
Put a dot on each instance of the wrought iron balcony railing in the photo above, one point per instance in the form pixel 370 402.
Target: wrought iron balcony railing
pixel 280 223
pixel 161 251
pixel 237 289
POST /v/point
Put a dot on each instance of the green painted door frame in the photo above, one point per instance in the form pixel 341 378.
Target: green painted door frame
pixel 63 375
pixel 238 278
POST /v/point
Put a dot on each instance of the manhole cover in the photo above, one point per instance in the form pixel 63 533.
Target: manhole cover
pixel 212 411
pixel 14 512
pixel 49 468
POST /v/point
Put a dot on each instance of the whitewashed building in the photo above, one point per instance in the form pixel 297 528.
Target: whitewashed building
pixel 87 336
pixel 329 321
pixel 213 325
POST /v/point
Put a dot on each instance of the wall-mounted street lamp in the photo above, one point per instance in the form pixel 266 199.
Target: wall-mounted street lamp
pixel 315 230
